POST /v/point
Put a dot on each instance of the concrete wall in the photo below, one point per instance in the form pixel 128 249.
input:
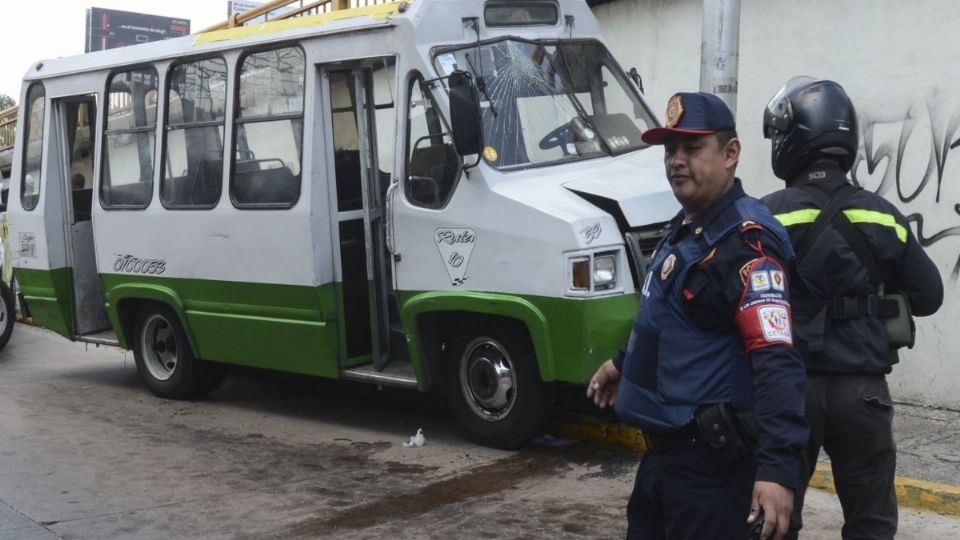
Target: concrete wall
pixel 900 63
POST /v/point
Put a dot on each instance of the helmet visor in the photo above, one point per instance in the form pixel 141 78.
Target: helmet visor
pixel 778 114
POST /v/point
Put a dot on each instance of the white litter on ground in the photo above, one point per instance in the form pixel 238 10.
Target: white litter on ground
pixel 416 440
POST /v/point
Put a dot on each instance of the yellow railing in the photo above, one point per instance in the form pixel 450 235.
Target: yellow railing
pixel 8 126
pixel 302 7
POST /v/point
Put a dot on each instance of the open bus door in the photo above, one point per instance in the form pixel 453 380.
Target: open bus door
pixel 71 302
pixel 349 100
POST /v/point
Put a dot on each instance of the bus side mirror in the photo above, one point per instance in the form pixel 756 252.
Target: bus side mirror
pixel 465 115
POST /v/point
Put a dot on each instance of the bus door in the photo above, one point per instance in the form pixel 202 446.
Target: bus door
pixel 75 125
pixel 360 186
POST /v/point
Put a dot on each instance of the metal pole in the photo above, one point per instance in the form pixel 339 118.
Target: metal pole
pixel 720 49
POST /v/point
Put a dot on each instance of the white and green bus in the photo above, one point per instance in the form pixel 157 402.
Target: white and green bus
pixel 446 195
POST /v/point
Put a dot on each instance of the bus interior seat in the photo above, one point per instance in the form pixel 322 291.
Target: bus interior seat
pixel 439 162
pixel 206 186
pixel 274 184
pixel 132 194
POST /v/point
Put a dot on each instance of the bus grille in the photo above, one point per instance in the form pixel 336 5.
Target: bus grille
pixel 640 245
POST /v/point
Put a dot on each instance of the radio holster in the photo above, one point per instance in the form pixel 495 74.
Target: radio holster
pixel 727 436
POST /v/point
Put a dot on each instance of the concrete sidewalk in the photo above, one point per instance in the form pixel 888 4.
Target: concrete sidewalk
pixel 928 457
pixel 16 526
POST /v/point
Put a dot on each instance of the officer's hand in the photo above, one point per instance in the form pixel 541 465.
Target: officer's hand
pixel 777 504
pixel 603 386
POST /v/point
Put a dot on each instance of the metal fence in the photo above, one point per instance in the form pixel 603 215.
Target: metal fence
pixel 8 126
pixel 293 8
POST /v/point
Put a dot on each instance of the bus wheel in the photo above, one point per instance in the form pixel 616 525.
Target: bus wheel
pixel 494 388
pixel 164 357
pixel 8 313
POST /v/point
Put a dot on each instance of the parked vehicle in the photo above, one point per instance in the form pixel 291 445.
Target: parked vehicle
pixel 403 194
pixel 7 306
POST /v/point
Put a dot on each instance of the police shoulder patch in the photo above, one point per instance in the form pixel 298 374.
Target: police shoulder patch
pixel 763 316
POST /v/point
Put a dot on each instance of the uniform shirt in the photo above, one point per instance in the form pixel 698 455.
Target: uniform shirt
pixel 715 295
pixel 830 269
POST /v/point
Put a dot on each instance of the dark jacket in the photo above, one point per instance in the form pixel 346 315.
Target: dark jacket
pixel 830 269
pixel 700 336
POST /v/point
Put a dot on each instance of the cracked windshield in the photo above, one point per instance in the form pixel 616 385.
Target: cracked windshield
pixel 547 102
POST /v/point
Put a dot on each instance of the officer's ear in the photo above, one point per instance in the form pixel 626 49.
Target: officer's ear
pixel 731 151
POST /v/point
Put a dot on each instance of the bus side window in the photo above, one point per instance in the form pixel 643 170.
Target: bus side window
pixel 193 149
pixel 33 155
pixel 130 134
pixel 433 165
pixel 269 130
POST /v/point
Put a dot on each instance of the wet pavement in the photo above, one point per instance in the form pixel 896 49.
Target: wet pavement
pixel 87 452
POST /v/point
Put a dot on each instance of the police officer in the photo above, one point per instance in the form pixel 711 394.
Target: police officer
pixel 861 247
pixel 709 374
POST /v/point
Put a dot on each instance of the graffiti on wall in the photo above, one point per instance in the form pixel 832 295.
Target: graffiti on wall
pixel 908 153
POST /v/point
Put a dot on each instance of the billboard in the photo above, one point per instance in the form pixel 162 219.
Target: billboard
pixel 111 28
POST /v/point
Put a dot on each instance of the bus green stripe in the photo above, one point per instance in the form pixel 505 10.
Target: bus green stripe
pixel 298 328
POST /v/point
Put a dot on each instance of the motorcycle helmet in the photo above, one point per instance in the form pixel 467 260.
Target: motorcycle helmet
pixel 808 120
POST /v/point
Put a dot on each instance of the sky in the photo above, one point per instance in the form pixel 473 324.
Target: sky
pixel 40 29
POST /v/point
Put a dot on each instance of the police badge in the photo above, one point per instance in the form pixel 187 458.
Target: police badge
pixel 674 111
pixel 667 267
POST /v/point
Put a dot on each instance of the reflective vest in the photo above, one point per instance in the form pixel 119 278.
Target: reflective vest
pixel 671 366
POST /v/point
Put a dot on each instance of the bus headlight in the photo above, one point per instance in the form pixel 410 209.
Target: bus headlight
pixel 605 271
pixel 589 273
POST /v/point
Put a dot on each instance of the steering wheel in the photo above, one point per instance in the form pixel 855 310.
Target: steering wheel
pixel 559 136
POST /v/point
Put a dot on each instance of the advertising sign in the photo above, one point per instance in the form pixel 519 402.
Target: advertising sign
pixel 111 28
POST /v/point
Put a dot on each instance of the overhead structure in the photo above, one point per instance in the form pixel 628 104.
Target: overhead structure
pixel 294 8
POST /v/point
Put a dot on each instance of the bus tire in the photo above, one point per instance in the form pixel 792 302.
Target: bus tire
pixel 165 361
pixel 493 385
pixel 8 313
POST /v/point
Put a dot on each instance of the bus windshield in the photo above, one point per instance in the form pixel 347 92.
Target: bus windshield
pixel 550 101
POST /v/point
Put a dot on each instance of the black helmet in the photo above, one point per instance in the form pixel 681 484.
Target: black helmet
pixel 807 120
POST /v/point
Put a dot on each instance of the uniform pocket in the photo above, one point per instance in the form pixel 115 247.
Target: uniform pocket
pixel 878 396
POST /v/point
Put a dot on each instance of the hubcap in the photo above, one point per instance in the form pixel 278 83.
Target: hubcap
pixel 159 346
pixel 487 379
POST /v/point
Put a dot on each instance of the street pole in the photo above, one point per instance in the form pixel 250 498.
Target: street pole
pixel 720 50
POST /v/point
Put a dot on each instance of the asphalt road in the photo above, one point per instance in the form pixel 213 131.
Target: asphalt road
pixel 87 452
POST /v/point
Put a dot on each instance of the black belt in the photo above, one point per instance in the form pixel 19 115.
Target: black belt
pixel 686 437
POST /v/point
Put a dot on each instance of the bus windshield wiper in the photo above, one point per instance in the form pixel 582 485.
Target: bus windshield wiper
pixel 481 84
pixel 568 87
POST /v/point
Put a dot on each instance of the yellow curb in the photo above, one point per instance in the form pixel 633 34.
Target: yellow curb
pixel 607 433
pixel 911 493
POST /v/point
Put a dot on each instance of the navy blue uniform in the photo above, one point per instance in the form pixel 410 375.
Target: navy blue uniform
pixel 844 343
pixel 713 328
